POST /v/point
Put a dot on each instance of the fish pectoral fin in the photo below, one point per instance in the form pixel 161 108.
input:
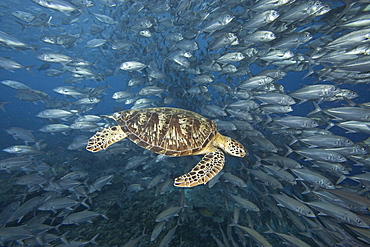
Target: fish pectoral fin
pixel 104 138
pixel 210 165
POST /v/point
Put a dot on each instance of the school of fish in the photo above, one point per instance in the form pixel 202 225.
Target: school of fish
pixel 286 78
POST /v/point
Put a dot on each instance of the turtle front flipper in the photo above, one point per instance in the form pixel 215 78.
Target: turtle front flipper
pixel 210 165
pixel 104 138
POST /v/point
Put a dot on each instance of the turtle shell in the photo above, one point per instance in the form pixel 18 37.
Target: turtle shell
pixel 167 131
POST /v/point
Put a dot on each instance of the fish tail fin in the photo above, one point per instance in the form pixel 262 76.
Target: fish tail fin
pixel 92 241
pixel 84 203
pixel 63 238
pixel 317 109
pixel 57 228
pixel 258 161
pixel 330 124
pixel 28 68
pixel 116 71
pixel 270 230
pixel 23 26
pixel 268 120
pixel 310 72
pixel 38 145
pixel 340 179
pixel 294 140
pixel 306 191
pixel 289 150
pixel 349 102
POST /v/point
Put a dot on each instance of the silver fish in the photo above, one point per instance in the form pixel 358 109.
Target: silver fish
pixel 11 65
pixel 313 178
pixel 261 19
pixel 53 57
pixel 297 122
pixel 217 23
pixel 75 175
pixel 54 114
pixel 293 205
pixel 244 203
pixel 259 36
pixel 280 173
pixel 352 39
pixel 84 126
pixel 100 183
pixel 81 217
pixel 223 41
pixel 53 128
pixel 60 5
pixel 282 161
pixel 95 43
pixel 301 11
pixel 31 179
pixel 261 240
pixel 349 113
pixel 266 179
pixel 58 203
pixel 22 134
pixel 24 16
pixel 132 66
pixel 15 84
pixel 27 207
pixel 255 82
pixel 275 98
pixel 339 213
pixel 292 40
pixel 167 214
pixel 16 163
pixel 277 109
pixel 292 240
pixel 234 180
pixel 18 233
pixel 8 40
pixel 355 126
pixel 22 149
pixel 157 230
pixel 105 19
pixel 70 91
pixel 150 90
pixel 315 92
pixel 321 154
pixel 329 141
pixel 231 57
pixel 263 5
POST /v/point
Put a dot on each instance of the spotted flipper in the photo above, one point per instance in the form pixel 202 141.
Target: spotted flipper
pixel 205 170
pixel 104 138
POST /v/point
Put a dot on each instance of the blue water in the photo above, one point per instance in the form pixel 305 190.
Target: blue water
pixel 114 201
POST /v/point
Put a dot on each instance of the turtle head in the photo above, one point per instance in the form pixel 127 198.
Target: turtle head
pixel 229 145
pixel 235 148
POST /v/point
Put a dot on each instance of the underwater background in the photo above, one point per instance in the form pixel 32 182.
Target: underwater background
pixel 216 58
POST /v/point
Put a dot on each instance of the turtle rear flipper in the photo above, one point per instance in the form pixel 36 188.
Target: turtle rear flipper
pixel 104 138
pixel 210 165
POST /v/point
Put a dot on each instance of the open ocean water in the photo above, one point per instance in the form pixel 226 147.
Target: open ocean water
pixel 303 182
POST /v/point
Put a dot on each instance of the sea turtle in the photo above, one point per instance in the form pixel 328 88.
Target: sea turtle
pixel 172 132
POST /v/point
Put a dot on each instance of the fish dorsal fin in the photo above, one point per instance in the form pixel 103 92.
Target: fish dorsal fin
pixel 104 138
pixel 210 165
